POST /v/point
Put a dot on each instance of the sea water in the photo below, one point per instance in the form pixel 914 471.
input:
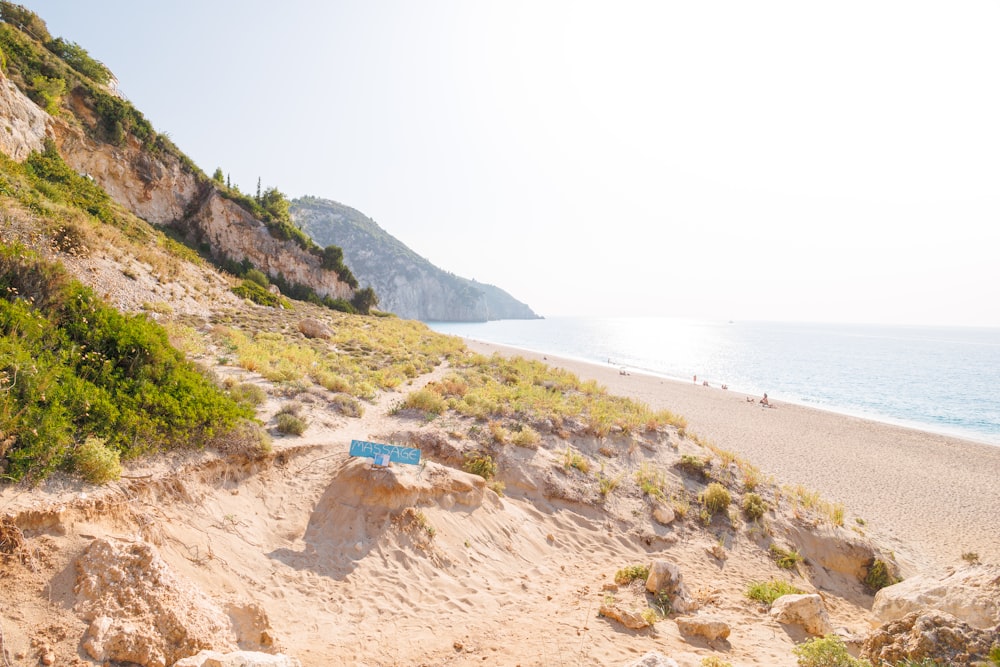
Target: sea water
pixel 938 379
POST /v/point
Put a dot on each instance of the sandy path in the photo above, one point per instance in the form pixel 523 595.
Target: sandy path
pixel 931 498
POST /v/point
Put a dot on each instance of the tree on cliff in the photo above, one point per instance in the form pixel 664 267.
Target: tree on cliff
pixel 364 300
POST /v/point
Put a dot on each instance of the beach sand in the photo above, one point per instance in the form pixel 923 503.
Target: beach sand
pixel 928 497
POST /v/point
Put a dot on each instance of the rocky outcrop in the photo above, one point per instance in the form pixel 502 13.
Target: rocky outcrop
pixel 155 187
pixel 806 610
pixel 630 618
pixel 703 626
pixel 407 284
pixel 929 635
pixel 24 124
pixel 665 579
pixel 232 232
pixel 311 328
pixel 140 611
pixel 970 593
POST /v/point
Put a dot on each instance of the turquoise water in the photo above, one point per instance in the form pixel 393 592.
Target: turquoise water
pixel 939 379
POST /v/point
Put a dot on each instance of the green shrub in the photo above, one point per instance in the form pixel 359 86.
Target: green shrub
pixel 878 576
pixel 651 480
pixel 784 558
pixel 650 615
pixel 574 459
pixel 480 464
pixel 76 57
pixel 995 654
pixel 606 485
pixel 754 507
pixel 290 424
pixel 252 291
pixel 71 367
pixel 49 92
pixel 96 463
pixel 347 405
pixel 662 603
pixel 425 400
pixel 257 276
pixel 62 184
pixel 628 574
pixel 716 498
pixel 526 437
pixel 247 439
pixel 712 661
pixel 25 18
pixel 248 394
pixel 828 651
pixel 693 465
pixel 769 591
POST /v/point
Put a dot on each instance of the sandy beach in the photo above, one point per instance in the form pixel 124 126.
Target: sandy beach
pixel 928 497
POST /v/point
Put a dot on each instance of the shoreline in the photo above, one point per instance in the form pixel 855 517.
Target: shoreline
pixel 958 434
pixel 929 497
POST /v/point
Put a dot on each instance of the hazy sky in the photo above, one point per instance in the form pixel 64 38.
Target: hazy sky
pixel 835 161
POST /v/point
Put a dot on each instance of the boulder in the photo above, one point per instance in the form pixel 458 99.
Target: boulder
pixel 311 328
pixel 970 593
pixel 238 659
pixel 665 578
pixel 653 659
pixel 664 515
pixel 806 609
pixel 630 619
pixel 931 635
pixel 140 611
pixel 703 626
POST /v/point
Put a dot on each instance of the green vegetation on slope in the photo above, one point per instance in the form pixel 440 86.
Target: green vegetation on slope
pixel 72 367
pixel 518 389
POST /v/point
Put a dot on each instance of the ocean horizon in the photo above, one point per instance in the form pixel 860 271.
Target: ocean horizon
pixel 937 379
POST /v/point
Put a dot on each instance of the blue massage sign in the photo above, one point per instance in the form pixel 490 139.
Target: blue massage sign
pixel 396 454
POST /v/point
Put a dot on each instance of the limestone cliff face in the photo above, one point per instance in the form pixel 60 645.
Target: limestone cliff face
pixel 22 124
pixel 156 187
pixel 161 189
pixel 406 283
pixel 220 224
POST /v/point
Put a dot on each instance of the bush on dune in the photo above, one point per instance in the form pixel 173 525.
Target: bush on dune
pixel 71 367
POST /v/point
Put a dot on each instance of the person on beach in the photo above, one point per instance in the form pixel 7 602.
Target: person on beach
pixel 765 402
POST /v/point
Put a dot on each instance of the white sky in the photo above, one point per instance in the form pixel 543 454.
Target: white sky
pixel 741 160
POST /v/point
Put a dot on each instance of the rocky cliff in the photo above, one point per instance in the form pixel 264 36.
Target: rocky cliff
pixel 24 124
pixel 151 179
pixel 407 284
